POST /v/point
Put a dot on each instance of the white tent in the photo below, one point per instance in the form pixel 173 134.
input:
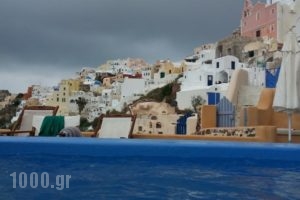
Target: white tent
pixel 287 95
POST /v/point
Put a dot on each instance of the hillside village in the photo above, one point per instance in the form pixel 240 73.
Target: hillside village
pixel 166 94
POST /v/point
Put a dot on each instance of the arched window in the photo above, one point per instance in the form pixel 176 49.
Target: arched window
pixel 153 118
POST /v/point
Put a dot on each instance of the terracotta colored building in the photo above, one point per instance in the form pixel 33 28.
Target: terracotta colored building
pixel 271 20
pixel 28 94
pixel 259 20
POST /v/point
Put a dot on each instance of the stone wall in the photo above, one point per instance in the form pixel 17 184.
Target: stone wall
pixel 233 45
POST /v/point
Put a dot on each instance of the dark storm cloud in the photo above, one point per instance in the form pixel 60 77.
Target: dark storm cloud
pixel 70 34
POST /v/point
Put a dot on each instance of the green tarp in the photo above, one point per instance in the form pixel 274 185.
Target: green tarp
pixel 52 125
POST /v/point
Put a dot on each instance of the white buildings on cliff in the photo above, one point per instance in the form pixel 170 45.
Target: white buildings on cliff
pixel 208 71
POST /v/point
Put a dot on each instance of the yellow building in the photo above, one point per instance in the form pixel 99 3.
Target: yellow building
pixel 167 67
pixel 61 97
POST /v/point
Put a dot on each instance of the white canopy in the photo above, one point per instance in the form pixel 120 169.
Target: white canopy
pixel 287 95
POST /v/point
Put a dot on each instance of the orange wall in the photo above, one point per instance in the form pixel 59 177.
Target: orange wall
pixel 208 116
pixel 280 120
pixel 264 115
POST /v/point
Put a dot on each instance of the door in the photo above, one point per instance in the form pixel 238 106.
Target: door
pixel 209 80
pixel 225 113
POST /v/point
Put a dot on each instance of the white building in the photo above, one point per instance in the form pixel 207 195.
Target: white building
pixel 124 66
pixel 288 2
pixel 146 72
pixel 86 71
pixel 132 87
pixel 288 15
pixel 106 97
pixel 205 53
pixel 41 93
pixel 224 67
pixel 162 78
pixel 201 78
pixel 94 108
pixel 202 75
pixel 257 76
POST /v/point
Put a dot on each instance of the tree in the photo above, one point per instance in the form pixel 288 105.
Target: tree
pixel 197 101
pixel 84 124
pixel 81 102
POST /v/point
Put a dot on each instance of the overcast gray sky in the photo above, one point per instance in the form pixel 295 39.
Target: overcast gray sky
pixel 44 41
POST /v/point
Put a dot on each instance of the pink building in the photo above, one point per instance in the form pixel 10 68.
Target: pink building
pixel 260 20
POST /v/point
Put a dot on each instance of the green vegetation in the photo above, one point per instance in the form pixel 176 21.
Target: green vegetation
pixel 166 93
pixel 159 94
pixel 84 124
pixel 197 101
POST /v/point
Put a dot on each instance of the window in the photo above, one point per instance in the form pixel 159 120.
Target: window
pixel 140 128
pixel 150 124
pixel 153 118
pixel 257 16
pixel 251 54
pixel 258 33
pixel 57 99
pixel 272 28
pixel 218 65
pixel 232 65
pixel 170 71
pixel 209 80
pixel 158 125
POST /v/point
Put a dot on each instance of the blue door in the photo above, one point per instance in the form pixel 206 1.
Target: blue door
pixel 181 124
pixel 225 113
pixel 213 98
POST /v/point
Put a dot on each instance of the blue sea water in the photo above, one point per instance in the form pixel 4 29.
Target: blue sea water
pixel 138 177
